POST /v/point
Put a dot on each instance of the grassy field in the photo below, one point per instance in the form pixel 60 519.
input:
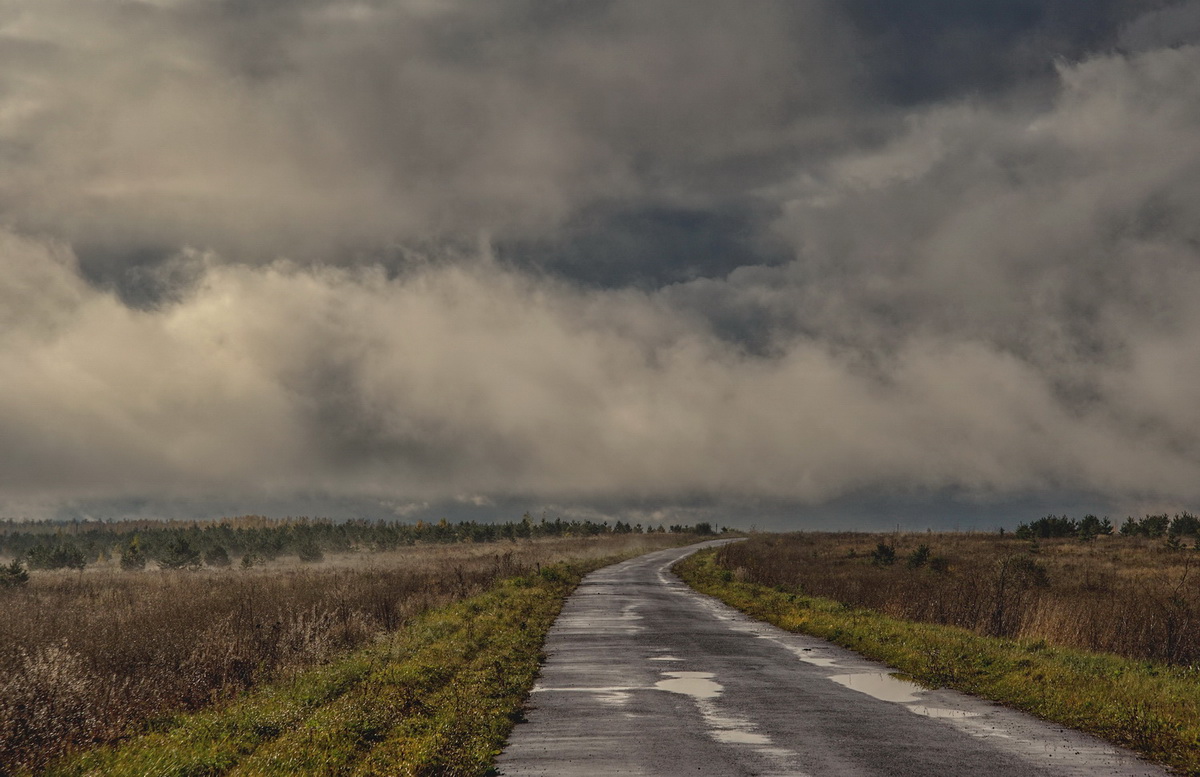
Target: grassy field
pixel 981 621
pixel 1129 596
pixel 416 655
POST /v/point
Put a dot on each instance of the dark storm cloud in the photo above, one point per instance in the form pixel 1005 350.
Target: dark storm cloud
pixel 639 256
pixel 1173 24
pixel 650 247
pixel 926 50
pixel 324 129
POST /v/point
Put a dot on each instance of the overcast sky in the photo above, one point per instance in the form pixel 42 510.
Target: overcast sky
pixel 769 262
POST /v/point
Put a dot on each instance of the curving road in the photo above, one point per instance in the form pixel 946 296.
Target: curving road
pixel 647 677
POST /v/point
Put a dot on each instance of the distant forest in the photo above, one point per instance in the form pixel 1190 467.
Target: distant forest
pixel 254 539
pixel 1179 525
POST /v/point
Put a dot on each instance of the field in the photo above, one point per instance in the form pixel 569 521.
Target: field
pixel 1131 596
pixel 96 656
pixel 1099 635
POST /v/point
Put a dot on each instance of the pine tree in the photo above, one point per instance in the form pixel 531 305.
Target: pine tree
pixel 180 555
pixel 217 556
pixel 132 558
pixel 14 575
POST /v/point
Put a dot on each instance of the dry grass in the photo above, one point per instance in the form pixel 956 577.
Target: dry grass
pixel 87 658
pixel 1132 597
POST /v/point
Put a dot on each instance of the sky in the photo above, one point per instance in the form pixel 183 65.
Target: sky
pixel 832 263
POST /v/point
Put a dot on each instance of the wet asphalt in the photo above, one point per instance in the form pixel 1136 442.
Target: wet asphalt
pixel 646 677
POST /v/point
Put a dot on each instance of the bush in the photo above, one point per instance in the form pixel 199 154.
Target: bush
pixel 132 557
pixel 551 574
pixel 1091 526
pixel 884 555
pixel 309 552
pixel 1152 526
pixel 56 557
pixel 180 555
pixel 13 575
pixel 919 557
pixel 1186 523
pixel 1048 527
pixel 217 556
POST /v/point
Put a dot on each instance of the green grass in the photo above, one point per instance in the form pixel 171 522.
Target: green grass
pixel 1148 707
pixel 436 698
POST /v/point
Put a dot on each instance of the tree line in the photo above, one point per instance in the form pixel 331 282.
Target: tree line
pixel 1155 526
pixel 254 539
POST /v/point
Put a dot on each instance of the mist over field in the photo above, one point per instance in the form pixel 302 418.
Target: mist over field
pixel 785 260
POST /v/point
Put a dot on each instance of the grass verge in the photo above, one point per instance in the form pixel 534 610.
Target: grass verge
pixel 439 697
pixel 1151 708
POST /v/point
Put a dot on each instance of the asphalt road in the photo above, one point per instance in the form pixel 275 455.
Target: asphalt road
pixel 646 677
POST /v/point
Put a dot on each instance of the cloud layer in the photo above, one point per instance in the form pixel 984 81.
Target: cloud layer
pixel 668 253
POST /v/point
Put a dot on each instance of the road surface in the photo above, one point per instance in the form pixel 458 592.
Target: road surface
pixel 646 677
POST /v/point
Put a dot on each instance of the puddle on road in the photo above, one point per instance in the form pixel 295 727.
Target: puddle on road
pixel 665 658
pixel 725 727
pixel 616 695
pixel 699 685
pixel 731 729
pixel 617 698
pixel 627 622
pixel 887 687
pixel 807 656
pixel 880 685
pixel 736 737
pixel 941 712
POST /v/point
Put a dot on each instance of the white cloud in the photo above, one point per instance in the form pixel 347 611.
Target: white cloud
pixel 472 379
